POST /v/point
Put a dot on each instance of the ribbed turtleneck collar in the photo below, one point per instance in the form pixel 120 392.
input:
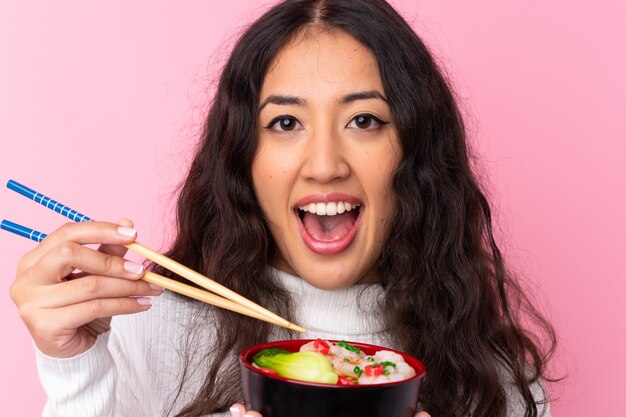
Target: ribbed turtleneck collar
pixel 352 313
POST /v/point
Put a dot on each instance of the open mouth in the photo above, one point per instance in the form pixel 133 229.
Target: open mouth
pixel 328 228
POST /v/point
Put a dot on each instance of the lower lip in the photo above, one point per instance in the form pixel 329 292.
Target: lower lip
pixel 329 248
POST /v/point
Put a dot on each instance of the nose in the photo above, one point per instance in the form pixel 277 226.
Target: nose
pixel 325 159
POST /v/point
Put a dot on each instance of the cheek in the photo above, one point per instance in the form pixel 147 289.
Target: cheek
pixel 269 165
pixel 262 180
pixel 270 187
pixel 262 172
pixel 385 198
pixel 387 213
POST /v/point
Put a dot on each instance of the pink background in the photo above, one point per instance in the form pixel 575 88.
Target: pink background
pixel 100 105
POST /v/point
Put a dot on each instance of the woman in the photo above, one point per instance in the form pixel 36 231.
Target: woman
pixel 332 186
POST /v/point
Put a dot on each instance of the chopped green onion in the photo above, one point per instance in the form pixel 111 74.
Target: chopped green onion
pixel 347 346
pixel 346 359
pixel 386 372
pixel 369 358
pixel 387 363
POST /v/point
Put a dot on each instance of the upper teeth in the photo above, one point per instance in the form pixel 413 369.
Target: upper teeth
pixel 328 209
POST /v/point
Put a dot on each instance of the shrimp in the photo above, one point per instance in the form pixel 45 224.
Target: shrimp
pixel 350 362
pixel 388 367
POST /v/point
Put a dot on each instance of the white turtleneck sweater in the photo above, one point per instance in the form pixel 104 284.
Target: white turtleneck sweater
pixel 133 370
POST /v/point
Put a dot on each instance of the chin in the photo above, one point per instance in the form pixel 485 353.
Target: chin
pixel 329 283
pixel 330 277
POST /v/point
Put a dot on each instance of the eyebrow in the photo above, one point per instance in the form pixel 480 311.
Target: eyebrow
pixel 362 95
pixel 282 100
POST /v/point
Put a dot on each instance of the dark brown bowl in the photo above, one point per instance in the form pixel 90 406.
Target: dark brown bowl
pixel 275 396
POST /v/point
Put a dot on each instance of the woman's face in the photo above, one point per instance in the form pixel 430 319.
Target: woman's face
pixel 327 151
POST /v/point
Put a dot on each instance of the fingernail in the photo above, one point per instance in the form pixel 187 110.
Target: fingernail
pixel 144 301
pixel 235 412
pixel 133 267
pixel 155 287
pixel 126 231
pixel 247 415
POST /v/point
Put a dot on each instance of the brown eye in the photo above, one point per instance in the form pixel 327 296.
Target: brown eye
pixel 283 124
pixel 365 122
pixel 287 123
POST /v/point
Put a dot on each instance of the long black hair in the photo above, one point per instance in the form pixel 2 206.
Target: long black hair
pixel 450 299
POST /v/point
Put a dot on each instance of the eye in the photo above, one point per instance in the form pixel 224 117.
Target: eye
pixel 284 123
pixel 366 122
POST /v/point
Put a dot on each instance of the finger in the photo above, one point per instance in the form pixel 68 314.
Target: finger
pixel 238 410
pixel 76 315
pixel 81 233
pixel 92 287
pixel 117 250
pixel 422 414
pixel 68 256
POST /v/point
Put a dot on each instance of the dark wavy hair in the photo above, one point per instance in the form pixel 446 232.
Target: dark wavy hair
pixel 449 299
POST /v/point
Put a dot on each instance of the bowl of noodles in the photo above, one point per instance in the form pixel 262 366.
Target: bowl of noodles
pixel 319 378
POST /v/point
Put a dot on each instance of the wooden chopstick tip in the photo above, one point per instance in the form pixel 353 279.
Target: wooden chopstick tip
pixel 297 328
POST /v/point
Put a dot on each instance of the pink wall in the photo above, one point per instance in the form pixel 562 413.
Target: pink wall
pixel 100 104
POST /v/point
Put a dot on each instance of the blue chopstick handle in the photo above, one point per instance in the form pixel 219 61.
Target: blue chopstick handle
pixel 22 231
pixel 47 202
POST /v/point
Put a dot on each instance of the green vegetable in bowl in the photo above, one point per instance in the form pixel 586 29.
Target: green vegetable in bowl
pixel 303 366
pixel 267 353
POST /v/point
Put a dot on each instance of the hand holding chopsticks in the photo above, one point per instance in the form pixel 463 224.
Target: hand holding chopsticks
pixel 225 298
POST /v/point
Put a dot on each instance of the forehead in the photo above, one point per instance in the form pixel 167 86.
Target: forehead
pixel 322 60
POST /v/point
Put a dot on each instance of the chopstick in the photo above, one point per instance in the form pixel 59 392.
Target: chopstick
pixel 151 277
pixel 246 306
